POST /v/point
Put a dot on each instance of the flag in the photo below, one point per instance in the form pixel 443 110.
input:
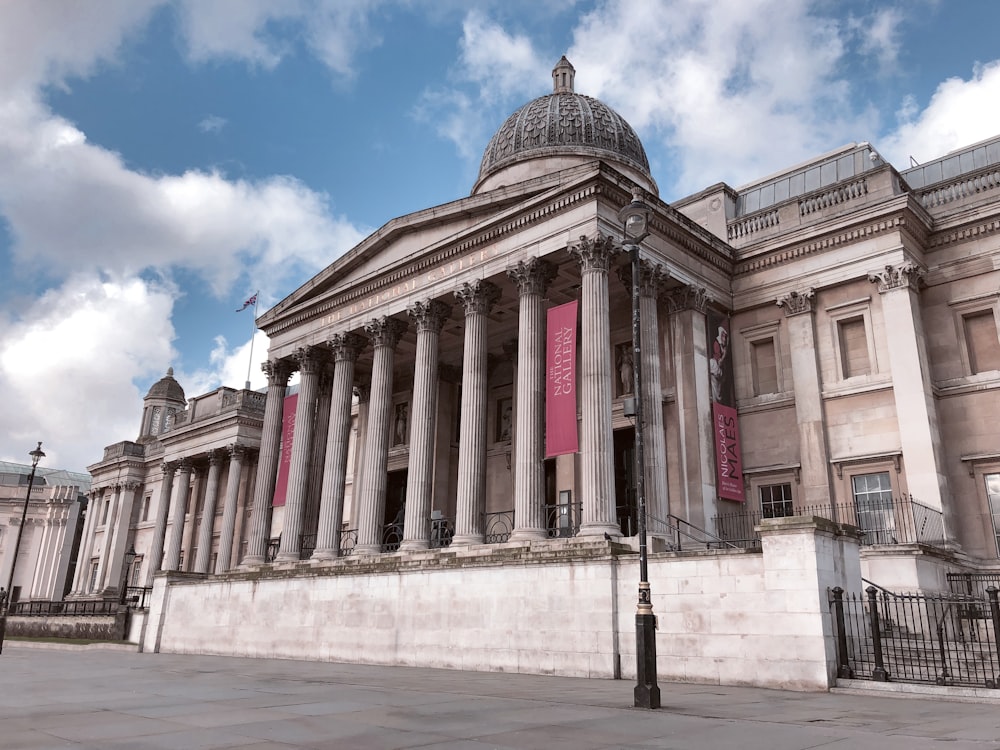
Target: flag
pixel 249 302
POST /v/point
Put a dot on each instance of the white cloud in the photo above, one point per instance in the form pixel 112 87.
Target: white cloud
pixel 212 124
pixel 880 36
pixel 69 362
pixel 230 366
pixel 959 113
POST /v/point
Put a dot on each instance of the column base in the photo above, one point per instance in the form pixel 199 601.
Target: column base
pixel 250 561
pixel 324 555
pixel 367 550
pixel 467 540
pixel 286 557
pixel 528 535
pixel 612 530
pixel 414 545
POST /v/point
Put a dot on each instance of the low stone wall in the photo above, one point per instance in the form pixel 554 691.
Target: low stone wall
pixel 554 607
pixel 88 627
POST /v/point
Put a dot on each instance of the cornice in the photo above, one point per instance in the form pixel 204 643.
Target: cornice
pixel 971 231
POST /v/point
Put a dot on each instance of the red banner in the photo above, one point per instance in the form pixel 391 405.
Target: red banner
pixel 728 464
pixel 560 381
pixel 287 432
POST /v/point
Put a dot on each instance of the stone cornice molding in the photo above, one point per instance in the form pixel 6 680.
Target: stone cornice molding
pixel 797 303
pixel 594 254
pixel 478 297
pixel 907 275
pixel 385 331
pixel 429 315
pixel 532 276
pixel 687 298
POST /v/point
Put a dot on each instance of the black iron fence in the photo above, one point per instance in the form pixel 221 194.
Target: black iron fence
pixel 497 527
pixel 901 520
pixel 45 609
pixel 137 597
pixel 943 639
pixel 562 521
pixel 973 584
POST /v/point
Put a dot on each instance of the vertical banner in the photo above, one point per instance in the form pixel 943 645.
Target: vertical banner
pixel 285 462
pixel 725 427
pixel 560 381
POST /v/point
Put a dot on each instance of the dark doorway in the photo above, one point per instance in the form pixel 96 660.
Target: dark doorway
pixel 395 504
pixel 625 504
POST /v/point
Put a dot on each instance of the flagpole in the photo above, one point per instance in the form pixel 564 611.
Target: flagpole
pixel 253 333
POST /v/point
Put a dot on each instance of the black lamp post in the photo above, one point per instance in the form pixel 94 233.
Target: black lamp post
pixel 126 566
pixel 5 597
pixel 635 224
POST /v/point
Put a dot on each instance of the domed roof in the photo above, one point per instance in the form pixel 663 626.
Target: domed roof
pixel 564 123
pixel 167 388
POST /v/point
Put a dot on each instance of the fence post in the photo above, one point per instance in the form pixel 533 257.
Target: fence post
pixel 879 674
pixel 843 665
pixel 991 592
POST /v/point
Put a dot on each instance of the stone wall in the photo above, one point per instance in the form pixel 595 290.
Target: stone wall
pixel 730 617
pixel 111 627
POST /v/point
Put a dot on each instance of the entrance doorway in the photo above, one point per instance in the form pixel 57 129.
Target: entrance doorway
pixel 625 500
pixel 395 505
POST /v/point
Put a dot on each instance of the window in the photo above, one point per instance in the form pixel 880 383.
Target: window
pixel 92 586
pixel 776 501
pixel 154 426
pixel 873 507
pixel 145 507
pixel 764 367
pixel 853 341
pixel 993 496
pixel 134 577
pixel 104 514
pixel 981 341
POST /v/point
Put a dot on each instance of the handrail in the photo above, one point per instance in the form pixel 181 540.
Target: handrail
pixel 677 527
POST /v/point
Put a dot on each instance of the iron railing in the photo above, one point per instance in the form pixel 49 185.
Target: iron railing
pixel 392 537
pixel 137 597
pixel 307 545
pixel 562 520
pixel 942 639
pixel 900 520
pixel 43 609
pixel 348 540
pixel 442 531
pixel 973 584
pixel 497 527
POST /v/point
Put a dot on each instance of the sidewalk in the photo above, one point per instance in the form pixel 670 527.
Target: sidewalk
pixel 103 699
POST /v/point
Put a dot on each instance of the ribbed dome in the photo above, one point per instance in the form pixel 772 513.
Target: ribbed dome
pixel 564 123
pixel 167 388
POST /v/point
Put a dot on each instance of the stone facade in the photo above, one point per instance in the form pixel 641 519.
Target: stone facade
pixel 846 311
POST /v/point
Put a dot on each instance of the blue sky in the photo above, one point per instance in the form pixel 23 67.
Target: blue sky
pixel 160 160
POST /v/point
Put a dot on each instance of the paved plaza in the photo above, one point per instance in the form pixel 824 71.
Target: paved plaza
pixel 101 698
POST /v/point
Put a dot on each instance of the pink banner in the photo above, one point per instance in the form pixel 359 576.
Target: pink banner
pixel 728 464
pixel 287 432
pixel 560 381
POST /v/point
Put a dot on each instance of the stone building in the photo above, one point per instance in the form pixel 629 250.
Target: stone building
pixel 823 341
pixel 47 555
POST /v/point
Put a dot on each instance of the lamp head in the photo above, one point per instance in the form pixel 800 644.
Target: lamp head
pixel 36 455
pixel 635 219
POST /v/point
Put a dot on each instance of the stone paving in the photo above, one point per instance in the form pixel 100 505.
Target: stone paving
pixel 104 698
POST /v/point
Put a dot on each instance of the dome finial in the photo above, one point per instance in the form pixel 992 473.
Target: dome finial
pixel 562 77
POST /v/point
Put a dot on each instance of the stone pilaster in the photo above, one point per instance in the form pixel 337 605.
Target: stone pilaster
pixel 229 509
pixel 916 409
pixel 302 444
pixel 597 473
pixel 160 525
pixel 814 454
pixel 103 562
pixel 477 297
pixel 171 560
pixel 80 579
pixel 205 534
pixel 532 279
pixel 384 334
pixel 346 347
pixel 121 532
pixel 278 372
pixel 429 317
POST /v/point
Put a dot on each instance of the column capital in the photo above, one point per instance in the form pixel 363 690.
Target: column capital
pixel 237 452
pixel 363 391
pixel 478 296
pixel 346 346
pixel 796 303
pixel 532 276
pixel 215 457
pixel 309 359
pixel 185 465
pixel 429 314
pixel 594 254
pixel 168 468
pixel 131 485
pixel 652 277
pixel 385 331
pixel 907 275
pixel 278 371
pixel 687 297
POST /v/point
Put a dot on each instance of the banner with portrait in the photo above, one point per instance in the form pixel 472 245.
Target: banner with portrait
pixel 725 423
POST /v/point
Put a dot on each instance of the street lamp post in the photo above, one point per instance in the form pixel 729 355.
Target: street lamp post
pixel 126 565
pixel 7 594
pixel 635 225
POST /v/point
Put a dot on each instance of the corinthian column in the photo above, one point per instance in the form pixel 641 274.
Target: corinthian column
pixel 477 298
pixel 384 334
pixel 429 316
pixel 532 278
pixel 172 559
pixel 597 471
pixel 278 372
pixel 346 347
pixel 87 543
pixel 222 562
pixel 104 561
pixel 208 513
pixel 298 471
pixel 160 526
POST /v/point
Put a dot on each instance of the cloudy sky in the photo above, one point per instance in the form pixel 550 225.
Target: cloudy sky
pixel 161 160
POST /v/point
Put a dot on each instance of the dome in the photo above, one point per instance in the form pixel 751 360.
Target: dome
pixel 166 388
pixel 564 124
